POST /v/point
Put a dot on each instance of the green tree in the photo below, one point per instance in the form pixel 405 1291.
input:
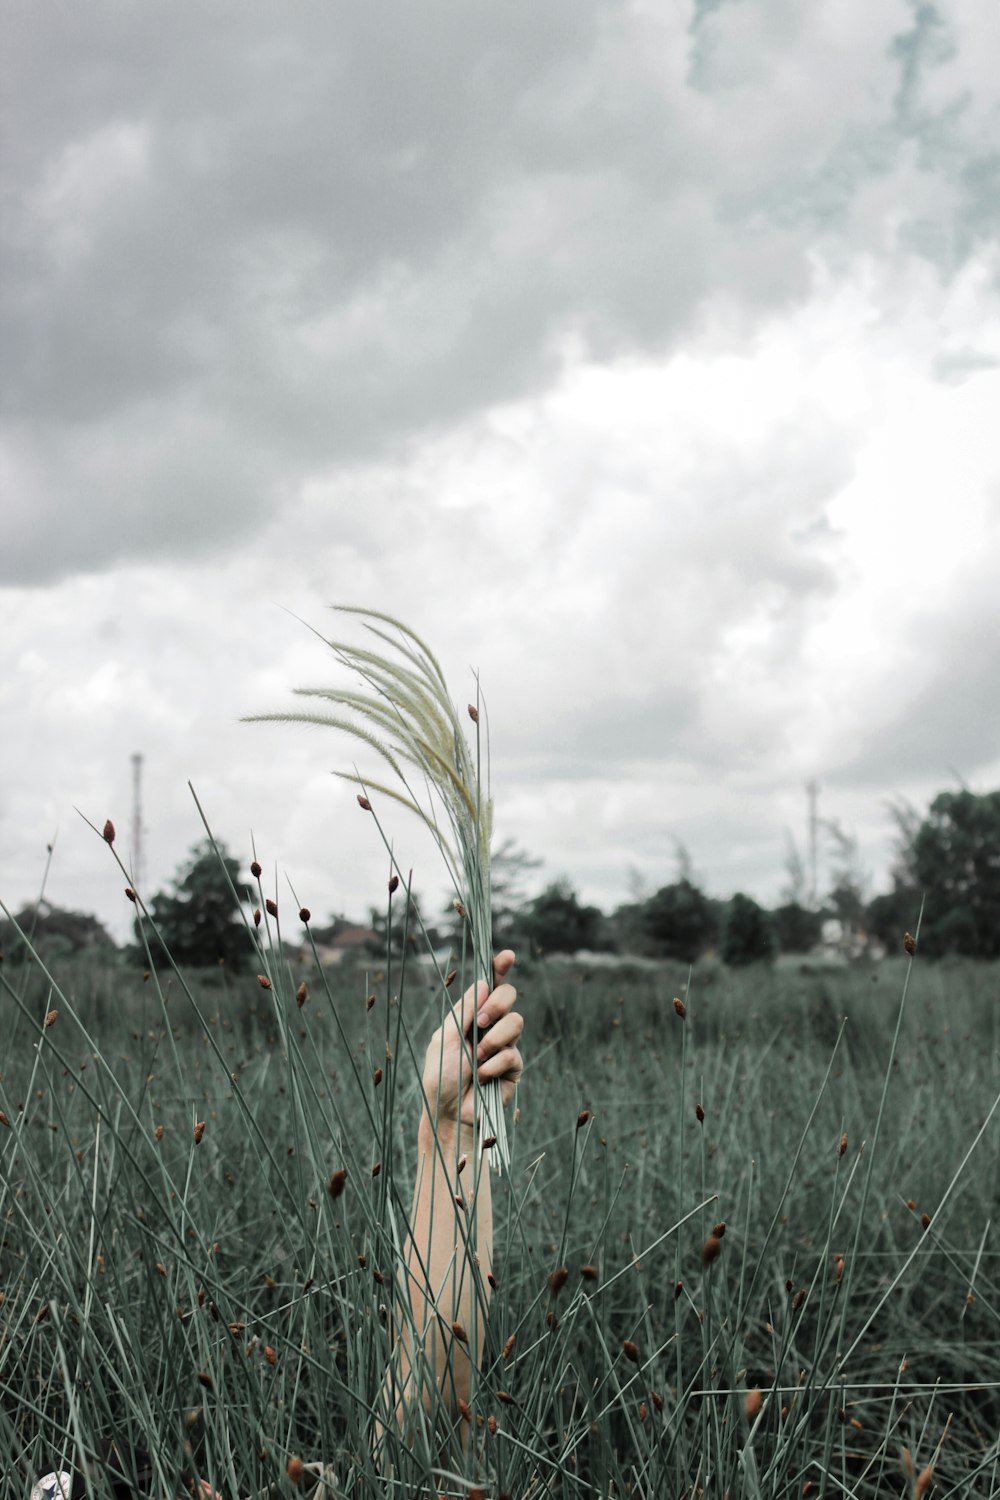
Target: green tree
pixel 956 857
pixel 57 932
pixel 679 921
pixel 198 919
pixel 556 922
pixel 747 935
pixel 796 928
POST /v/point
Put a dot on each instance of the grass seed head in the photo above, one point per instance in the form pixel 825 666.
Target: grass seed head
pixel 295 1469
pixel 710 1250
pixel 130 893
pixel 378 1076
pixel 719 1229
pixel 465 1409
pixel 842 1151
pixel 460 1333
pixel 491 1424
pixel 304 914
pixel 256 916
pixel 924 1481
pixel 205 1379
pixel 255 870
pixel 376 1169
pixel 369 1002
pixel 678 1288
pixel 337 1182
pixel 490 1141
pixel 582 1118
pixel 364 803
pixel 393 884
pixel 630 1351
pixel 589 1273
pixel 51 1018
pixel 507 1349
pixel 272 907
pixel 199 1131
pixel 263 981
pixel 656 1399
pixel 753 1403
pixel 270 1355
pixel 557 1280
pixel 108 832
pixel 473 713
pixel 699 1114
pixel 301 994
pixel 911 1205
pixel 798 1299
pixel 492 1280
pixel 4 1120
pixel 925 1221
pixel 909 943
pixel 450 977
pixel 680 1008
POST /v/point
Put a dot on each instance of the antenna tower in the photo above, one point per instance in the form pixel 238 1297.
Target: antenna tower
pixel 812 792
pixel 137 869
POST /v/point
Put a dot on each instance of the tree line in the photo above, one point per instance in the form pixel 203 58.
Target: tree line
pixel 947 864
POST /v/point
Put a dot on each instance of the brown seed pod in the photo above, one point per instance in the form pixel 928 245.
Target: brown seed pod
pixel 199 1131
pixel 376 1169
pixel 678 1288
pixel 505 1397
pixel 301 994
pixel 161 1268
pixel 753 1403
pixel 205 1379
pixel 710 1250
pixel 798 1299
pixel 130 893
pixel 582 1118
pixel 369 1002
pixel 378 1076
pixel 337 1182
pixel 465 1409
pixel 925 1221
pixel 473 713
pixel 304 914
pixel 589 1273
pixel 460 1333
pixel 911 1205
pixel 507 1349
pixel 255 870
pixel 450 977
pixel 51 1018
pixel 643 1411
pixel 459 907
pixel 557 1280
pixel 656 1399
pixel 924 1481
pixel 393 884
pixel 490 1140
pixel 256 916
pixel 295 1469
pixel 719 1229
pixel 491 1423
pixel 842 1150
pixel 263 981
pixel 680 1008
pixel 272 907
pixel 699 1114
pixel 108 832
pixel 909 943
pixel 364 803
pixel 838 1267
pixel 4 1120
pixel 630 1351
pixel 270 1355
pixel 42 1313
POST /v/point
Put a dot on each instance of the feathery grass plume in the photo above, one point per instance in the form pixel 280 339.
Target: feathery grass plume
pixel 407 717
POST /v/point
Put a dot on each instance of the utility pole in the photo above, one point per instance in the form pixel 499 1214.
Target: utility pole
pixel 137 869
pixel 812 792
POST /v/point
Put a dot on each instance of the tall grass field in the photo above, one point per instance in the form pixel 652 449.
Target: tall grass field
pixel 747 1245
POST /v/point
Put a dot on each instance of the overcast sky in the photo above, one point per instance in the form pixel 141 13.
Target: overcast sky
pixel 644 357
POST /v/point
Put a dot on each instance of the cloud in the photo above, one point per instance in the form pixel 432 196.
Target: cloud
pixel 252 247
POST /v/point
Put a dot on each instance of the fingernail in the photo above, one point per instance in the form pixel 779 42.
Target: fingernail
pixel 482 1018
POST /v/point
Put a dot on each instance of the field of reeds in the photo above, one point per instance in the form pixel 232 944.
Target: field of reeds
pixel 747 1247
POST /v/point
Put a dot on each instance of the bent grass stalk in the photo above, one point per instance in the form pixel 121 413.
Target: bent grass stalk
pixel 409 720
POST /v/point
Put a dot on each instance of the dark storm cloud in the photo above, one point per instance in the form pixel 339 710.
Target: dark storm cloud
pixel 247 246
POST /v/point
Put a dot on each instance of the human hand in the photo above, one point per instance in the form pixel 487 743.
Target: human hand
pixel 448 1070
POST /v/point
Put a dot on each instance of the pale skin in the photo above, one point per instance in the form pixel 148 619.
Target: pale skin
pixel 445 1288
